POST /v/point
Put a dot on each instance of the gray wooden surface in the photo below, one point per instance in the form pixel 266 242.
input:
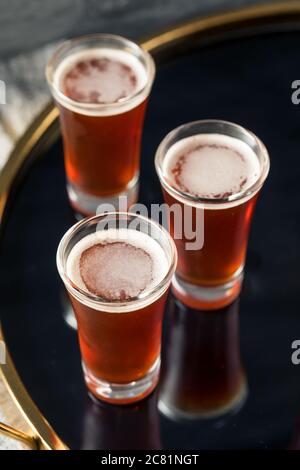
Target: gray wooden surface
pixel 29 30
pixel 28 24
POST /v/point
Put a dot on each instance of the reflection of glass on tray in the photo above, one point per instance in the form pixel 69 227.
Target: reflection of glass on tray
pixel 202 374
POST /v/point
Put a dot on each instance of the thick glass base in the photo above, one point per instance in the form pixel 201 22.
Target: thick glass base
pixel 208 298
pixel 230 408
pixel 88 204
pixel 122 394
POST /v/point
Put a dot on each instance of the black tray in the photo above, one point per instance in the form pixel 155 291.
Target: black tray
pixel 204 71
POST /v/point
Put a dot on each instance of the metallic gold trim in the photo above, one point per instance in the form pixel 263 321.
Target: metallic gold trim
pixel 13 433
pixel 43 133
pixel 43 437
pixel 32 140
pixel 234 18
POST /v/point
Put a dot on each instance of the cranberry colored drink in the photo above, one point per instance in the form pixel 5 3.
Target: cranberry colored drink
pixel 214 169
pixel 117 279
pixel 101 84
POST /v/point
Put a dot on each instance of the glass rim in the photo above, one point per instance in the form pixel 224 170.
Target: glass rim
pixel 133 303
pixel 94 107
pixel 263 157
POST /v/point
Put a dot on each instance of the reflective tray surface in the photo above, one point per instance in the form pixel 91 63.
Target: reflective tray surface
pixel 205 354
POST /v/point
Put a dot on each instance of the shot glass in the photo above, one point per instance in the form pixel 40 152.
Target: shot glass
pixel 209 273
pixel 119 335
pixel 101 131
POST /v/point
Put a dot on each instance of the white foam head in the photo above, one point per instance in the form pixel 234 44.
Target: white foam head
pixel 120 272
pixel 100 76
pixel 211 166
